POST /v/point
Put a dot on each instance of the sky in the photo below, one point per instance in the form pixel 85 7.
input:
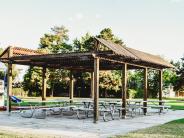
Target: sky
pixel 154 26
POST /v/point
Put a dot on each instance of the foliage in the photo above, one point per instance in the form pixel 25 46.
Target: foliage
pixel 56 42
pixel 153 83
pixel 107 34
pixel 2 75
pixel 1 50
pixel 131 93
pixel 58 80
pixel 110 81
pixel 32 81
pixel 1 72
pixel 135 82
pixel 178 78
pixel 169 77
pixel 86 43
pixel 19 92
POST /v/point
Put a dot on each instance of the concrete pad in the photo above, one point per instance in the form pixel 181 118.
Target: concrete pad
pixel 71 127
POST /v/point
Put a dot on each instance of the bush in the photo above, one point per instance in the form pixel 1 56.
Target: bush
pixel 131 93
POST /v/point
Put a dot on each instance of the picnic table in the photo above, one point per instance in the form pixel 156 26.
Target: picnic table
pixel 158 104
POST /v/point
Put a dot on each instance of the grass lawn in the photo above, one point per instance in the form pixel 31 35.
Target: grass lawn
pixel 176 105
pixel 6 134
pixel 173 129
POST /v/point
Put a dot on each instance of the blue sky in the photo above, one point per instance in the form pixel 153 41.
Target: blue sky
pixel 155 26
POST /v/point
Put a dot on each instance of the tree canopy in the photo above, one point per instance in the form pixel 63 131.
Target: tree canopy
pixel 178 78
pixel 57 41
pixel 1 50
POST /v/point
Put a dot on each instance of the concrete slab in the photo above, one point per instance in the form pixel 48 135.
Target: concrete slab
pixel 71 127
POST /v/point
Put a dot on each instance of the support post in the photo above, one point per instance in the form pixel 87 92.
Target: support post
pixel 9 89
pixel 145 90
pixel 92 85
pixel 96 88
pixel 71 87
pixel 124 89
pixel 44 83
pixel 160 86
pixel 9 85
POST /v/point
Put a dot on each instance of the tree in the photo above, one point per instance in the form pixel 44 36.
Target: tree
pixel 86 43
pixel 110 81
pixel 54 42
pixel 107 34
pixel 178 79
pixel 32 81
pixel 1 50
pixel 135 83
pixel 1 73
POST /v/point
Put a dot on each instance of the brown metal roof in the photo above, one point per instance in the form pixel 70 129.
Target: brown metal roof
pixel 146 57
pixel 116 48
pixel 111 59
pixel 19 51
pixel 139 56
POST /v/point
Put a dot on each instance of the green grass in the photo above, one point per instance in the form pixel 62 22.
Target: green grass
pixel 176 105
pixel 6 134
pixel 173 129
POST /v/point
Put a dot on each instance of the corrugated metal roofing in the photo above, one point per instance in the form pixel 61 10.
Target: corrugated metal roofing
pixel 135 57
pixel 118 49
pixel 146 57
pixel 135 54
pixel 18 51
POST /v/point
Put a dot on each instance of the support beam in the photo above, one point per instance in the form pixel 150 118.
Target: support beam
pixel 96 89
pixel 145 90
pixel 9 88
pixel 71 86
pixel 9 81
pixel 92 85
pixel 124 89
pixel 44 83
pixel 160 86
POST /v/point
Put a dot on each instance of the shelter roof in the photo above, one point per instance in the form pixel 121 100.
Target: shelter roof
pixel 110 59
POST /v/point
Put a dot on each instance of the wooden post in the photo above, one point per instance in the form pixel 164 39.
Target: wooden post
pixel 145 90
pixel 9 88
pixel 9 85
pixel 92 85
pixel 44 83
pixel 71 86
pixel 160 86
pixel 96 88
pixel 124 89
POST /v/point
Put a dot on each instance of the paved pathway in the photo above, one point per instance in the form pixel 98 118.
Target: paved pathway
pixel 74 128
